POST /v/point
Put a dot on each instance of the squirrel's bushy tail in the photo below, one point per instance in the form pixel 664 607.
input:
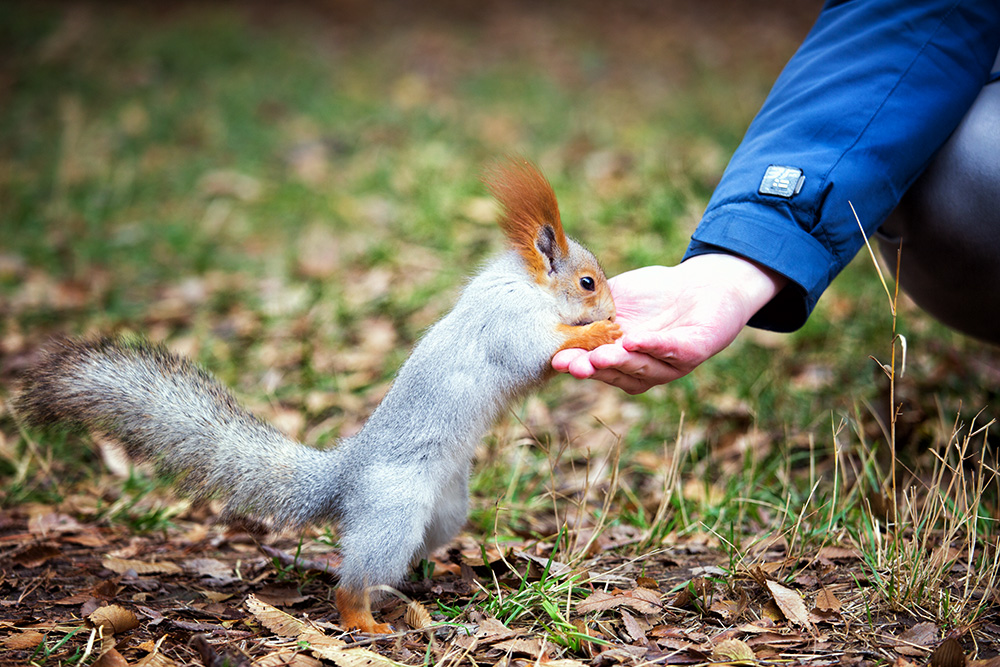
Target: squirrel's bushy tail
pixel 165 409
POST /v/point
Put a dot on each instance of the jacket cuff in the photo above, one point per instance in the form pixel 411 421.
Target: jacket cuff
pixel 766 236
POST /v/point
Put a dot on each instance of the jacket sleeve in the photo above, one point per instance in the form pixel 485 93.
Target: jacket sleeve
pixel 872 93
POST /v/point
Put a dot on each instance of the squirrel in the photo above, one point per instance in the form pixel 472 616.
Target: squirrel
pixel 398 489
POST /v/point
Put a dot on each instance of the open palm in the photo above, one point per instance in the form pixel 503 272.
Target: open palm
pixel 673 319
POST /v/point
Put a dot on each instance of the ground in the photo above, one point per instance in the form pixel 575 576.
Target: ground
pixel 289 195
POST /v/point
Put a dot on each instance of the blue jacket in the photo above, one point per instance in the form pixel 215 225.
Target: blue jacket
pixel 872 93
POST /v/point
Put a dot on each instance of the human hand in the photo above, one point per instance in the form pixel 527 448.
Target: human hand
pixel 673 319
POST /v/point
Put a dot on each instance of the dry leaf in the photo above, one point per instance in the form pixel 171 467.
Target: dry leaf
pixel 106 590
pixel 417 616
pixel 598 601
pixel 770 568
pixel 212 568
pixel 948 654
pixel 110 658
pixel 86 540
pixel 584 631
pixel 988 662
pixel 122 565
pixel 770 612
pixel 826 601
pixel 923 634
pixel 914 642
pixel 758 575
pixel 321 644
pixel 533 647
pixel 776 641
pixel 727 610
pixel 491 630
pixel 35 555
pixel 287 659
pixel 286 625
pixel 275 620
pixel 790 603
pixel 212 655
pixel 216 596
pixel 108 642
pixel 760 626
pixel 733 651
pixel 643 600
pixel 635 632
pixel 281 595
pixel 156 660
pixel 838 553
pixel 695 590
pixel 354 657
pixel 53 522
pixel 623 655
pixel 647 582
pixel 114 619
pixel 24 640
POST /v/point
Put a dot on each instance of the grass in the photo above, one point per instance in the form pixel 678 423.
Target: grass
pixel 290 201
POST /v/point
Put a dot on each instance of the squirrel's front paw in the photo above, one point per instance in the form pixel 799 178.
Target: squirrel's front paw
pixel 606 332
pixel 590 336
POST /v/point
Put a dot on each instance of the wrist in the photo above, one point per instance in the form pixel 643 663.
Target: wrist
pixel 752 283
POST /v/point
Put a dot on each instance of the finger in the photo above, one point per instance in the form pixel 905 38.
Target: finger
pixel 580 367
pixel 609 356
pixel 681 355
pixel 627 383
pixel 654 343
pixel 563 358
pixel 645 371
pixel 636 364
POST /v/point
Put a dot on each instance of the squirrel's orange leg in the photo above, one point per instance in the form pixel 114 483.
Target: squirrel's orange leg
pixel 589 336
pixel 356 613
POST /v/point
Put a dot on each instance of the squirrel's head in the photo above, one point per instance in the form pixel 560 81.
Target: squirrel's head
pixel 530 221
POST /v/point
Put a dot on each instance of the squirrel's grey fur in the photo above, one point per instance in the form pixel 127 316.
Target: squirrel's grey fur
pixel 398 489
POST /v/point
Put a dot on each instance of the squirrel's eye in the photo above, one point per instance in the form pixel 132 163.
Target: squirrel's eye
pixel 587 283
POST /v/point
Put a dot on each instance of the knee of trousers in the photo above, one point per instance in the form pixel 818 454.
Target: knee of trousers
pixel 948 226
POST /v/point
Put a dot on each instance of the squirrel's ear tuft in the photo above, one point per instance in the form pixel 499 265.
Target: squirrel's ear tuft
pixel 530 215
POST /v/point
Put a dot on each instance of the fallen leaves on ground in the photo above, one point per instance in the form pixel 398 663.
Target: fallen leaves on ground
pixel 223 588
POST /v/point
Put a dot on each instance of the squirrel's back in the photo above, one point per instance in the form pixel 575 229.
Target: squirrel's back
pixel 163 408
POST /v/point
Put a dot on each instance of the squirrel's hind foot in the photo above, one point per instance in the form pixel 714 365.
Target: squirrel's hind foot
pixel 356 614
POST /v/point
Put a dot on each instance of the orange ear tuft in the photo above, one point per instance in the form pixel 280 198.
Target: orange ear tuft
pixel 529 205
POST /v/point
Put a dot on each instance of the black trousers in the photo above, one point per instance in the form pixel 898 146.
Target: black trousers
pixel 949 227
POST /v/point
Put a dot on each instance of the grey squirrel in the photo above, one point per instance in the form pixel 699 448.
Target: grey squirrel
pixel 399 488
